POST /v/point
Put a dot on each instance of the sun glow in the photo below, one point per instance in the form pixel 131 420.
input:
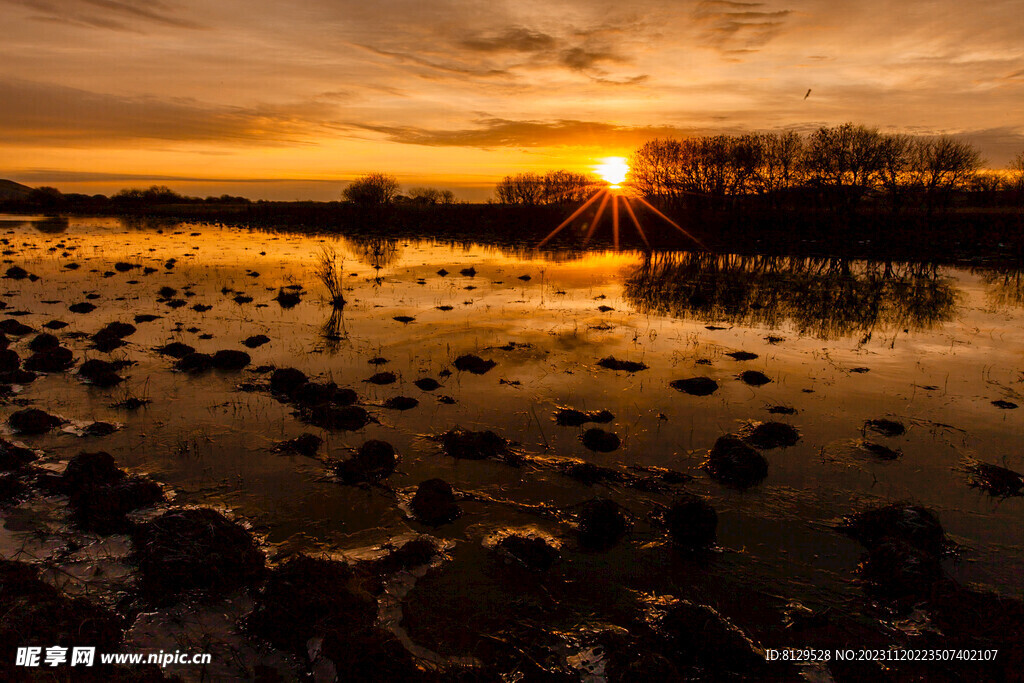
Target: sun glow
pixel 613 170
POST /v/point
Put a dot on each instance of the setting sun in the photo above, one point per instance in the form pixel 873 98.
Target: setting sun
pixel 613 170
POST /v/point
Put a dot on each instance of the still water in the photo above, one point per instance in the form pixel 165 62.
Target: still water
pixel 842 342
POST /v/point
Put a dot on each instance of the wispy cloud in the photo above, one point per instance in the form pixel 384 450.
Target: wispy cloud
pixel 496 132
pixel 40 113
pixel 120 15
pixel 738 27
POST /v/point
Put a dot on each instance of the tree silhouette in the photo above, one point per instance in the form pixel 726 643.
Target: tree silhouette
pixel 372 189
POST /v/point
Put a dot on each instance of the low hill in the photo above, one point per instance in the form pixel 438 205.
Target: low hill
pixel 12 190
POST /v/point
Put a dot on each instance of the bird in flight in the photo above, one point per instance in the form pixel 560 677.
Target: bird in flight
pixel 808 93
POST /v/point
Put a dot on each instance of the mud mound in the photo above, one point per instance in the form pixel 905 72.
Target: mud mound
pixel 600 523
pixel 613 363
pixel 733 462
pixel 307 444
pixel 695 386
pixel 306 597
pixel 570 417
pixel 692 522
pixel 434 503
pixel 194 549
pixel 769 435
pixel 473 364
pixel 32 421
pixel 375 460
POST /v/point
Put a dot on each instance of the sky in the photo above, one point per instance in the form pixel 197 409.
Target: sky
pixel 292 100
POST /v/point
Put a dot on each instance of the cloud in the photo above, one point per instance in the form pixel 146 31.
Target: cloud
pixel 39 113
pixel 410 58
pixel 120 15
pixel 581 59
pixel 738 27
pixel 496 132
pixel 514 39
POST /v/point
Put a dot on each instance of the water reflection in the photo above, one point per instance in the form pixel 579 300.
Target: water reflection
pixel 1004 287
pixel 376 252
pixel 827 298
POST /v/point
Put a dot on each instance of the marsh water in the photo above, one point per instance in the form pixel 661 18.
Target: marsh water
pixel 842 342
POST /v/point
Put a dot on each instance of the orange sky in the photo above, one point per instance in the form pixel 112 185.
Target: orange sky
pixel 293 99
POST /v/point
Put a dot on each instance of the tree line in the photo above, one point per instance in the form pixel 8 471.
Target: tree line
pixel 838 167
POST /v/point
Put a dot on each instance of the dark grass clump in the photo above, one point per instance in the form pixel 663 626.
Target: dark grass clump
pixel 599 440
pixel 231 359
pixel 911 524
pixel 103 509
pixel 754 378
pixel 112 336
pixel 255 341
pixel 531 551
pixel 695 386
pixel 613 363
pixel 600 523
pixel 195 363
pixel 99 373
pixel 175 350
pixel 706 646
pixel 375 460
pixel 305 597
pixel 15 457
pixel 286 380
pixel 9 360
pixel 343 418
pixel 998 481
pixel 43 342
pixel 886 427
pixel 769 435
pixel 57 359
pixel 314 393
pixel 32 421
pixel 414 553
pixel 401 403
pixel 307 444
pixel 434 503
pixel 465 444
pixel 474 364
pixel 570 417
pixel 12 488
pixel 14 327
pixel 34 613
pixel 191 549
pixel 287 299
pixel 89 470
pixel 692 522
pixel 733 462
pixel 371 654
pixel 877 450
pixel 898 572
pixel 427 384
pixel 588 473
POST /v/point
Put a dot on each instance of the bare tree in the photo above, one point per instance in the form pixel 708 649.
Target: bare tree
pixel 943 165
pixel 522 188
pixel 780 164
pixel 372 189
pixel 431 195
pixel 1015 178
pixel 567 187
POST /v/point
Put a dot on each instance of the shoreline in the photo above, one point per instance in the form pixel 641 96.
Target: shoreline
pixel 963 236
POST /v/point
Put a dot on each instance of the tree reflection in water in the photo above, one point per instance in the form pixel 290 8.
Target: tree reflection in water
pixel 823 297
pixel 1004 287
